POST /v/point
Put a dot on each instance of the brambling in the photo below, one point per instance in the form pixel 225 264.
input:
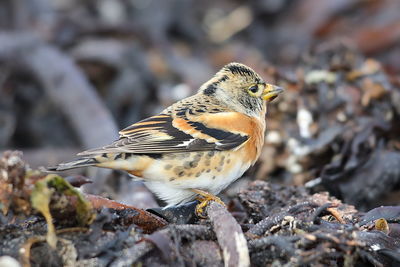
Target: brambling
pixel 198 146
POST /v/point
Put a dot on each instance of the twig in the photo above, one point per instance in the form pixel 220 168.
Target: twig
pixel 335 213
pixel 262 226
pixel 319 211
pixel 26 249
pixel 230 236
pixel 71 230
pixel 145 220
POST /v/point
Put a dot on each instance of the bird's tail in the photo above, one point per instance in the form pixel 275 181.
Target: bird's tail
pixel 83 162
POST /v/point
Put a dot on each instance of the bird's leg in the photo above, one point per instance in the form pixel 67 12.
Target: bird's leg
pixel 204 198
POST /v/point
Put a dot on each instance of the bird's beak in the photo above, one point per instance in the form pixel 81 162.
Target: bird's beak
pixel 271 91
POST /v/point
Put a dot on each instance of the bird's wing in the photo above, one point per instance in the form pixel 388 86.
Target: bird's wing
pixel 168 134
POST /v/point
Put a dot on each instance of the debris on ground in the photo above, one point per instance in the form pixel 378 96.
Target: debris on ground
pixel 266 224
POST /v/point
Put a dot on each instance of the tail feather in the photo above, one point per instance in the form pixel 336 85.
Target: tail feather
pixel 83 162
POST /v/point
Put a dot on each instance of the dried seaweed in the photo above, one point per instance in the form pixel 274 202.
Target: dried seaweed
pixel 297 228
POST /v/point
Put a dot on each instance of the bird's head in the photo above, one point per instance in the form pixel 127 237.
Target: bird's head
pixel 240 88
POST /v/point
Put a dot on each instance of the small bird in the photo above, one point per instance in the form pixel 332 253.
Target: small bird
pixel 196 147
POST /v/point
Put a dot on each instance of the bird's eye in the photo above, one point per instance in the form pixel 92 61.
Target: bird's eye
pixel 254 90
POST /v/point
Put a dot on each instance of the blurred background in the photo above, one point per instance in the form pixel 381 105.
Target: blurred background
pixel 73 72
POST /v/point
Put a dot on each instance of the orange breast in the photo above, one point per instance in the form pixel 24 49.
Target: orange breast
pixel 239 123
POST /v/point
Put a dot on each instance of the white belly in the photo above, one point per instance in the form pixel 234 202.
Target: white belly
pixel 178 191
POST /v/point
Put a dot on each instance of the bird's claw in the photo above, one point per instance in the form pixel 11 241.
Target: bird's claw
pixel 205 198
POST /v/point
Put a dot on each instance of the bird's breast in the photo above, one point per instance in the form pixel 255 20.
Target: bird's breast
pixel 211 170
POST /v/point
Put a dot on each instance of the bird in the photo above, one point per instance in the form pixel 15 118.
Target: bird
pixel 196 147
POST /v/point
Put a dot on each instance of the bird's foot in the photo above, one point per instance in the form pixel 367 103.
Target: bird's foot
pixel 205 198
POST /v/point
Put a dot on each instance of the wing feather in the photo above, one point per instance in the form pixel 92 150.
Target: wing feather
pixel 165 134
